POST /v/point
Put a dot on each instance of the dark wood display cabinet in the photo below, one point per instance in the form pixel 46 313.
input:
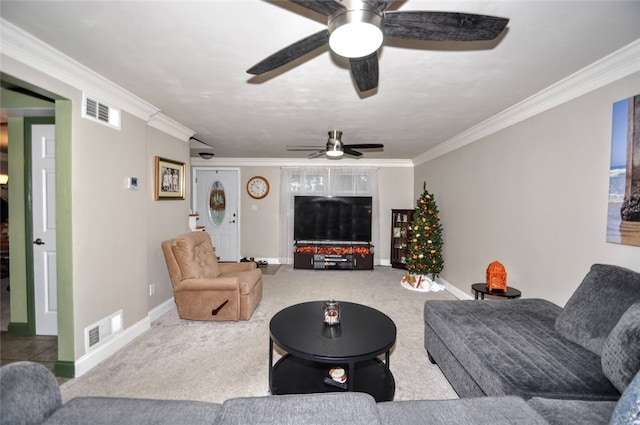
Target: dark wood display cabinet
pixel 333 256
pixel 400 233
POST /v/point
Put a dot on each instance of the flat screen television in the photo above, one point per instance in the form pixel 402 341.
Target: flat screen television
pixel 332 218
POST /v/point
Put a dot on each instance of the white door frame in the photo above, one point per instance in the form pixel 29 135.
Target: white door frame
pixel 194 198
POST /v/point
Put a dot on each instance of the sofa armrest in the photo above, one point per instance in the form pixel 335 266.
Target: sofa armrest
pixel 29 393
pixel 221 283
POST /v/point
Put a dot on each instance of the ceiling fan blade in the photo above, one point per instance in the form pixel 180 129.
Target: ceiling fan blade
pixel 317 154
pixel 365 146
pixel 323 7
pixel 365 71
pixel 352 152
pixel 304 148
pixel 290 53
pixel 442 26
pixel 379 5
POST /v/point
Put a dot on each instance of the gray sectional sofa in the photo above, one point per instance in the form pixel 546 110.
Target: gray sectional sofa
pixel 29 395
pixel 588 351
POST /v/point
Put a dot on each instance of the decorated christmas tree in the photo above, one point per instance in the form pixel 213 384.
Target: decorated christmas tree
pixel 425 242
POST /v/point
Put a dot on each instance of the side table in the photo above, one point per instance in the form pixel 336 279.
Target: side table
pixel 481 290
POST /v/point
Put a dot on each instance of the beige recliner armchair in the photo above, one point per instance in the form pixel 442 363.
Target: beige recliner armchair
pixel 205 289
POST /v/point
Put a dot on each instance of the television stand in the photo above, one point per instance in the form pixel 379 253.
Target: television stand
pixel 333 255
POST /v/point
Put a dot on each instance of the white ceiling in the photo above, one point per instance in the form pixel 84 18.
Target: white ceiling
pixel 189 58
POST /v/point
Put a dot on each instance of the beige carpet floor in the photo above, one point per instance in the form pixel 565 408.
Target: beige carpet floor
pixel 213 361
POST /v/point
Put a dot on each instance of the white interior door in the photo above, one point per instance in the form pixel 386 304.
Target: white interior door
pixel 216 202
pixel 43 168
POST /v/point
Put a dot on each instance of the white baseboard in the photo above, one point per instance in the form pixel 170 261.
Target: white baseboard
pixel 453 290
pixel 268 260
pixel 163 308
pixel 110 347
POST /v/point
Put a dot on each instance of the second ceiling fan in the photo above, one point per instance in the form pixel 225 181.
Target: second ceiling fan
pixel 356 30
pixel 335 148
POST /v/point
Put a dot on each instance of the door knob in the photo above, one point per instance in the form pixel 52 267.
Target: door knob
pixel 38 242
pixel 232 221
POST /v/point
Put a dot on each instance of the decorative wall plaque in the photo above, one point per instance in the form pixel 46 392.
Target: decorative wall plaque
pixel 496 277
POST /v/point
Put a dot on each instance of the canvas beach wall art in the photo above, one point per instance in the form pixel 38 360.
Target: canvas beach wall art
pixel 623 218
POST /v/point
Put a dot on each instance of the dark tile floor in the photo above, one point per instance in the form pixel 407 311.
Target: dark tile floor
pixel 40 349
pixel 13 348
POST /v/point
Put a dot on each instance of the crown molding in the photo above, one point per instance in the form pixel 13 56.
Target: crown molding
pixel 171 127
pixel 609 69
pixel 301 162
pixel 27 49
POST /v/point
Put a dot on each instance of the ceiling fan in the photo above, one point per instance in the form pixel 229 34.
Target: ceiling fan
pixel 356 29
pixel 335 148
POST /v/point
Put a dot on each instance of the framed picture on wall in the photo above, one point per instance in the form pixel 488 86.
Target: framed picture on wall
pixel 623 219
pixel 170 179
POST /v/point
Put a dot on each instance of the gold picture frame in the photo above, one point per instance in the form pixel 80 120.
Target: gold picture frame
pixel 170 179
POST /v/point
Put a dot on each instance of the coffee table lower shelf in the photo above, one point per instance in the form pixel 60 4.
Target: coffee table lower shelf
pixel 294 375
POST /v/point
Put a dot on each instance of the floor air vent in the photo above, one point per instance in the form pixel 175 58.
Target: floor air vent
pixel 97 111
pixel 94 336
pixel 102 331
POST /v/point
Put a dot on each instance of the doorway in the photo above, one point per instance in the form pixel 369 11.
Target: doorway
pixel 21 105
pixel 216 200
pixel 36 340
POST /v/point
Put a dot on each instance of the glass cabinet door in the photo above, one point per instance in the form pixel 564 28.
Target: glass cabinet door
pixel 400 233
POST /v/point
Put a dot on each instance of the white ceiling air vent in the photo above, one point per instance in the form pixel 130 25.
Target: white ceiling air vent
pixel 97 111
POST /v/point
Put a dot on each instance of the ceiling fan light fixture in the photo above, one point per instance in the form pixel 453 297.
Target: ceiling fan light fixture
pixel 206 155
pixel 355 33
pixel 334 149
pixel 334 144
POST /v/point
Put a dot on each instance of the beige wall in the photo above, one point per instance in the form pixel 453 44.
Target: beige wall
pixel 396 192
pixel 164 219
pixel 534 197
pixel 260 218
pixel 109 222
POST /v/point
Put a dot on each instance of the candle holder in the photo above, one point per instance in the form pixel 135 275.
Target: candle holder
pixel 331 311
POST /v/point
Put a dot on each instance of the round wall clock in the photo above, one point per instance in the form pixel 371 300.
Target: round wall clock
pixel 258 187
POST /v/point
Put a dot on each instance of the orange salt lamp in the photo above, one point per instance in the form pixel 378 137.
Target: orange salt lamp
pixel 496 277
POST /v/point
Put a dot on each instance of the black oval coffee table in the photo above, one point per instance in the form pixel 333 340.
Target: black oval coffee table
pixel 313 348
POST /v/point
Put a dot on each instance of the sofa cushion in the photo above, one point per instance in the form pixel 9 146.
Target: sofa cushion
pixel 562 412
pixel 304 409
pixel 621 350
pixel 196 256
pixel 108 411
pixel 627 411
pixel 512 348
pixel 605 293
pixel 477 411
